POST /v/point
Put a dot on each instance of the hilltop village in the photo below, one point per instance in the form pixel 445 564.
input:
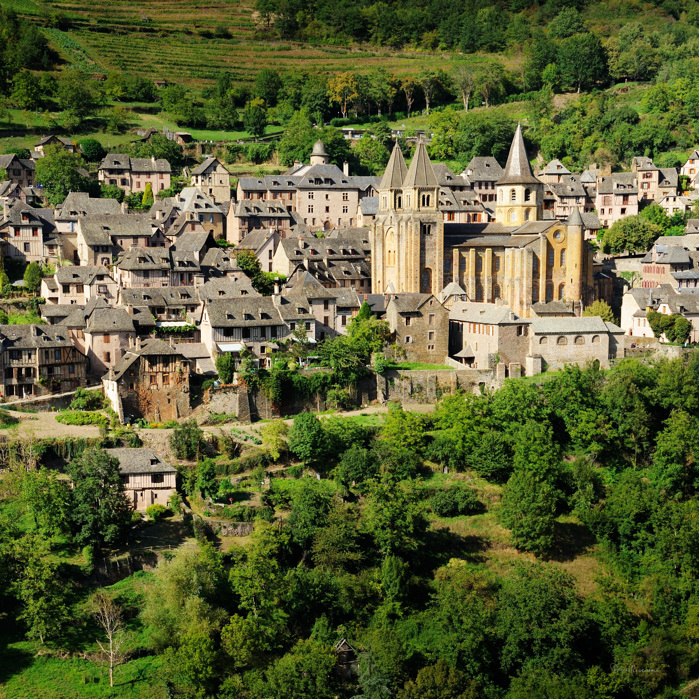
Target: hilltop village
pixel 490 269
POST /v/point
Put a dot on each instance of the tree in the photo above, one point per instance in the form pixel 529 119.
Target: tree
pixel 581 61
pixel 33 276
pixel 310 503
pixel 602 309
pixel 47 500
pixel 488 81
pixel 630 234
pixel 274 435
pixel 566 23
pixel 463 76
pixel 267 86
pixel 100 514
pixel 38 586
pixel 147 200
pixel 408 84
pixel 255 117
pixel 109 616
pixel 26 91
pixel 225 366
pixel 404 429
pixel 186 439
pixel 78 98
pixel 193 663
pixel 428 80
pixel 438 681
pixel 529 510
pixel 342 89
pixel 206 477
pixel 307 438
pixel 92 150
pixel 58 173
pixel 305 672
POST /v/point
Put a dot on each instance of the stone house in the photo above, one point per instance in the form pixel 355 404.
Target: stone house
pixel 39 359
pixel 653 183
pixel 148 479
pixel 143 268
pixel 617 197
pixel 246 323
pixel 420 325
pixel 10 191
pixel 691 169
pixel 212 178
pixel 132 174
pixel 250 216
pixel 196 206
pixel 19 170
pixel 77 285
pixel 663 261
pixel 554 172
pixel 485 336
pixel 29 234
pixel 52 140
pixel 109 332
pixel 151 380
pixel 482 173
pixel 264 244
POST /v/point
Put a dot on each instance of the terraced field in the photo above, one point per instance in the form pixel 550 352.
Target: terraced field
pixel 191 42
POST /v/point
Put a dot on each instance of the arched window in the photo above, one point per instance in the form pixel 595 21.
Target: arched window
pixel 399 201
pixel 479 292
pixel 513 195
pixel 563 258
pixel 543 340
pixel 447 264
pixel 561 291
pixel 595 339
pixel 535 293
pixel 425 200
pixel 496 292
pixel 513 215
pixel 526 214
pixel 496 263
pixel 551 257
pixel 535 264
pixel 579 340
pixel 426 281
pixel 527 195
pixel 479 263
pixel 549 292
pixel 562 340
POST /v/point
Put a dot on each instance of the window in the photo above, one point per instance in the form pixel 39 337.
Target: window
pixel 543 340
pixel 345 196
pixel 549 292
pixel 535 264
pixel 496 263
pixel 326 304
pixel 408 339
pixel 166 379
pixel 430 319
pixel 345 210
pixel 327 209
pixel 107 356
pixel 561 291
pixel 310 208
pixel 561 340
pixel 310 195
pixel 527 195
pixel 26 247
pixel 550 257
pixel 57 355
pixel 579 340
pixel 430 336
pixel 496 292
pixel 479 292
pixel 513 195
pixel 407 321
pixel 479 263
pixel 343 321
pixel 153 379
pixel 326 320
pixel 35 232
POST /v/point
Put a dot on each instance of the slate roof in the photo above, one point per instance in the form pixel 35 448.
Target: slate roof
pixel 144 259
pixel 369 206
pixel 484 168
pixel 106 320
pixel 668 177
pixel 118 161
pixel 395 171
pixel 487 313
pixel 82 274
pixel 551 308
pixel 141 460
pixel 192 199
pixel 420 172
pixel 204 167
pixel 562 326
pixel 226 288
pixel 618 183
pixel 518 170
pixel 220 260
pixel 99 230
pixel 409 303
pixel 35 336
pixel 81 204
pixel 245 311
pixel 555 167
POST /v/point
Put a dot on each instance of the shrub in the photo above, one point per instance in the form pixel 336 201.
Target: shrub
pixel 225 366
pixel 7 420
pixel 87 400
pixel 82 417
pixel 156 512
pixel 454 502
pixel 186 439
pixel 175 502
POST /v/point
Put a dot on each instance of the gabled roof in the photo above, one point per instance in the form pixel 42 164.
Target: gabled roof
pixel 226 288
pixel 245 311
pixel 82 274
pixel 35 336
pixel 81 203
pixel 487 313
pixel 106 320
pixel 484 168
pixel 396 170
pixel 411 303
pixel 140 460
pixel 555 167
pixel 420 172
pixel 209 163
pixel 518 170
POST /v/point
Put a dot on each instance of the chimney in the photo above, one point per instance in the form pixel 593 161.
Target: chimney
pixel 276 288
pixel 124 207
pixel 345 168
pixel 152 159
pixel 158 214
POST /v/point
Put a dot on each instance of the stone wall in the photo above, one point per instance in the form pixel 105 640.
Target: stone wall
pixel 428 386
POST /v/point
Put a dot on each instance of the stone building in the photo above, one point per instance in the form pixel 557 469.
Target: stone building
pixel 148 479
pixel 150 381
pixel 77 285
pixel 420 325
pixel 132 174
pixel 517 261
pixel 39 359
pixel 28 234
pixel 212 178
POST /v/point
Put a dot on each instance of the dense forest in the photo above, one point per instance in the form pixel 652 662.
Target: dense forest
pixel 371 551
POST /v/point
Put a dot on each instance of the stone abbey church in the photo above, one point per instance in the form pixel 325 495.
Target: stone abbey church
pixel 517 260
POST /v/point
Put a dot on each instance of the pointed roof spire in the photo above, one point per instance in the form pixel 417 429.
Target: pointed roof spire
pixel 421 173
pixel 518 170
pixel 395 170
pixel 575 218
